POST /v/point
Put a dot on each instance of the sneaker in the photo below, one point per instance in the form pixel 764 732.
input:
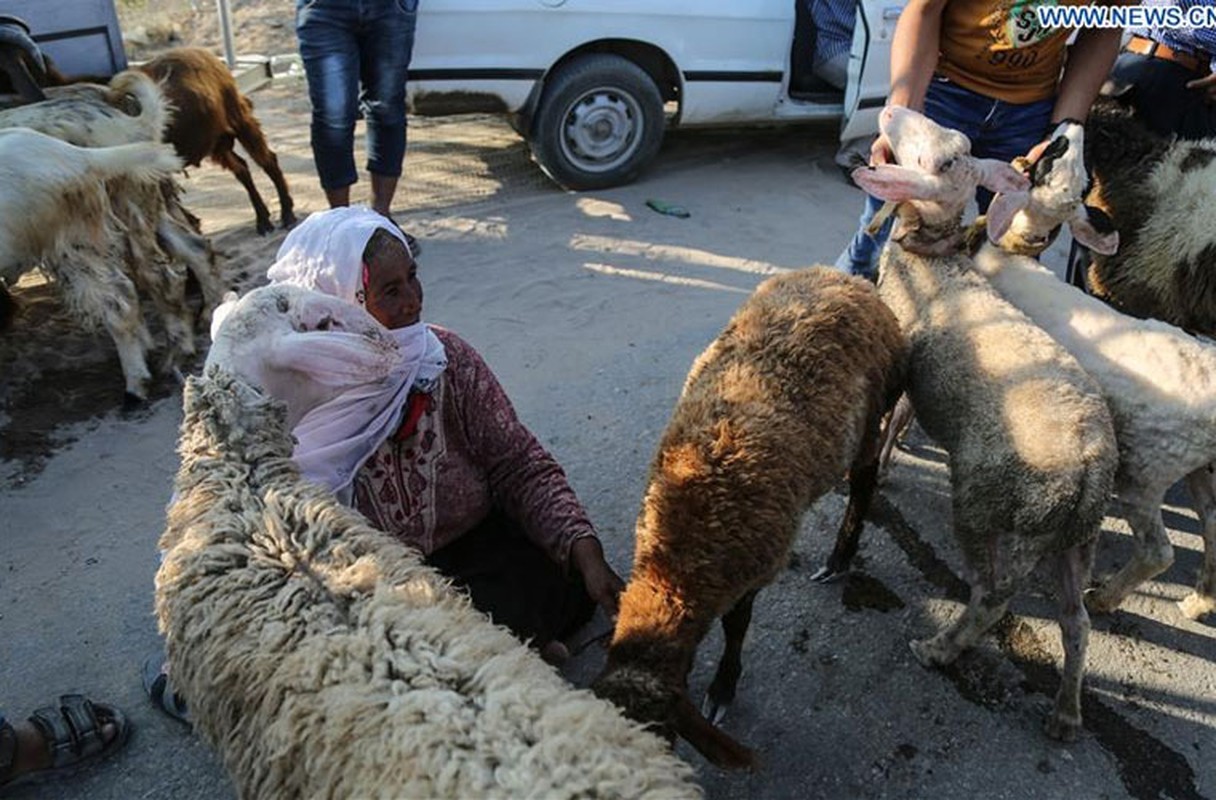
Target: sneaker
pixel 156 684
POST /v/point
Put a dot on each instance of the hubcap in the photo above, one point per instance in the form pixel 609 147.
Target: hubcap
pixel 602 129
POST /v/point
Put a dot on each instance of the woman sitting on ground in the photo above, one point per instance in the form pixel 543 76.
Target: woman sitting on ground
pixel 444 464
pixel 438 459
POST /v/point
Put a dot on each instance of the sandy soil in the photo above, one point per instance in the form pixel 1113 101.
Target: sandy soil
pixel 590 308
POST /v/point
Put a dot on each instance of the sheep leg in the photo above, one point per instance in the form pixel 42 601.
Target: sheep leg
pixel 250 135
pixel 895 427
pixel 193 250
pixel 1153 555
pixel 165 282
pixel 227 158
pixel 103 293
pixel 863 480
pixel 990 594
pixel 1073 567
pixel 722 690
pixel 1202 601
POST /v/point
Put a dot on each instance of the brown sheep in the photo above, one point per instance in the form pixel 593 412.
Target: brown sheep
pixel 783 403
pixel 210 116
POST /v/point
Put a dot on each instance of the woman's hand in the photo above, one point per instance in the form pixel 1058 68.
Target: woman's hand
pixel 602 583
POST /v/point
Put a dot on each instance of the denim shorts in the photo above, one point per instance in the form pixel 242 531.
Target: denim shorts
pixel 356 55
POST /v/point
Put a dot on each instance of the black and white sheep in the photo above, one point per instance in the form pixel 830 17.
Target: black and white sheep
pixel 786 400
pixel 321 657
pixel 1031 446
pixel 1159 195
pixel 1159 382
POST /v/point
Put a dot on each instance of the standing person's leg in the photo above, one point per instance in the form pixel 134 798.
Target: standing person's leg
pixel 1158 95
pixel 387 43
pixel 325 29
pixel 860 258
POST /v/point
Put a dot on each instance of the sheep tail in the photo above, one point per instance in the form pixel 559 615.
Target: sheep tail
pixel 153 108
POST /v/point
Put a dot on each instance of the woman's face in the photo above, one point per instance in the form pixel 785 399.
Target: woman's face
pixel 394 295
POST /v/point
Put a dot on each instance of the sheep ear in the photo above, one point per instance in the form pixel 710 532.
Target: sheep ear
pixel 1093 228
pixel 711 742
pixel 896 184
pixel 1002 210
pixel 333 358
pixel 221 313
pixel 998 176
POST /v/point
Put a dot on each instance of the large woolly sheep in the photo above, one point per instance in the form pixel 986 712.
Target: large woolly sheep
pixel 1159 382
pixel 321 657
pixel 1031 447
pixel 1160 196
pixel 148 245
pixel 773 413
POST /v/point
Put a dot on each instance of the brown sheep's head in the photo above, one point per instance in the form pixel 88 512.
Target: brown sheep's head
pixel 666 709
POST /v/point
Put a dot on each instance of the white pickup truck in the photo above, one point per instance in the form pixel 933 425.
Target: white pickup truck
pixel 592 84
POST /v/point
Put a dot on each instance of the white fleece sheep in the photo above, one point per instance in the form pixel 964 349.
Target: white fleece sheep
pixel 146 246
pixel 1159 382
pixel 1031 447
pixel 321 657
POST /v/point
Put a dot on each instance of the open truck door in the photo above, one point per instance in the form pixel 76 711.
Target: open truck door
pixel 81 35
pixel 869 67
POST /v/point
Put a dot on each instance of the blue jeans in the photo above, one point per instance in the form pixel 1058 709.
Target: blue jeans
pixel 356 54
pixel 997 129
pixel 1161 99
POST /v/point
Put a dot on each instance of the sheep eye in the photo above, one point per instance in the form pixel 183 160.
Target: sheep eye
pixel 283 305
pixel 325 324
pixel 947 164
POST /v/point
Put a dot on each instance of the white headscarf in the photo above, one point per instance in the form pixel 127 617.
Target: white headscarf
pixel 325 253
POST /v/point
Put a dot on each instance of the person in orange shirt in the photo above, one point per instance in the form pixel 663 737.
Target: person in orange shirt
pixel 986 68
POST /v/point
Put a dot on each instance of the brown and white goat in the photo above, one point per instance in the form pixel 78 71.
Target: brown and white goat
pixel 209 116
pixel 784 402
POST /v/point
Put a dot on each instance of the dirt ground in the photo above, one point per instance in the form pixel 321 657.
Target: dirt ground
pixel 590 308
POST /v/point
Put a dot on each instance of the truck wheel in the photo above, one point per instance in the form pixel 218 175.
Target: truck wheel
pixel 600 120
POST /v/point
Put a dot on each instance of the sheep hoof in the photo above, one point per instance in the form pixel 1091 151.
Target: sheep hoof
pixel 265 226
pixel 132 402
pixel 1096 602
pixel 1195 605
pixel 288 220
pixel 714 711
pixel 931 652
pixel 1063 728
pixel 827 574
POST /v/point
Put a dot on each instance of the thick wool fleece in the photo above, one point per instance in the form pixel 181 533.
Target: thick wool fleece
pixel 1031 445
pixel 322 659
pixel 773 414
pixel 1160 385
pixel 1159 196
